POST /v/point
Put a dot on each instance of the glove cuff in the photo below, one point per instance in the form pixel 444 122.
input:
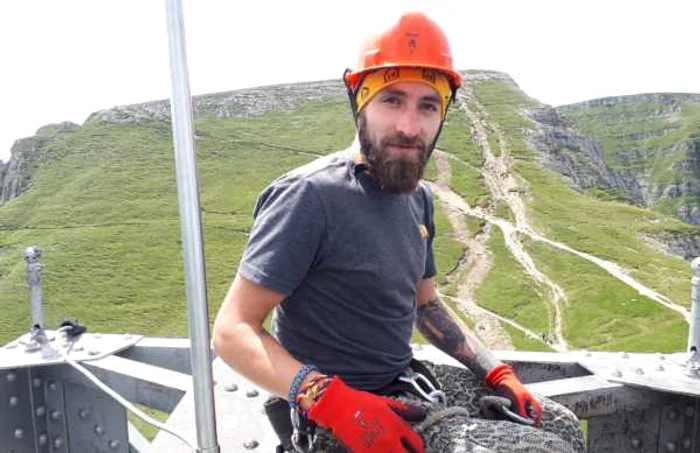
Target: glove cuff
pixel 498 374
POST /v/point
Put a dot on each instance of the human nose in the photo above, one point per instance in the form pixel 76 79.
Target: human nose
pixel 408 123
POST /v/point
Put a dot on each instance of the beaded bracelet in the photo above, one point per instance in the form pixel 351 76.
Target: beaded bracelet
pixel 294 389
pixel 312 391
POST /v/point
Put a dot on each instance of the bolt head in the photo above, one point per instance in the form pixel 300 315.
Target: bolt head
pixel 43 439
pixel 251 444
pixel 36 382
pixel 14 401
pixel 52 385
pixel 78 348
pixel 231 387
pixel 55 415
pixel 93 352
pixel 99 430
pixel 689 411
pixel 84 413
pixel 113 444
pixel 636 443
pixel 251 393
pixel 11 377
pixel 58 442
pixel 672 414
pixel 19 433
pixel 687 443
pixel 617 373
pixel 40 411
pixel 670 447
pixel 639 371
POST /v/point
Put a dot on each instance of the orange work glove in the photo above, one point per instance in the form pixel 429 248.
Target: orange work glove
pixel 503 381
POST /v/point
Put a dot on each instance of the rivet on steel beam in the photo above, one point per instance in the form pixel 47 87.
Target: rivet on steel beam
pixel 251 393
pixel 672 414
pixel 40 411
pixel 43 439
pixel 36 382
pixel 687 443
pixel 11 377
pixel 670 447
pixel 625 355
pixel 55 415
pixel 659 367
pixel 93 352
pixel 113 444
pixel 99 430
pixel 689 411
pixel 639 371
pixel 231 387
pixel 251 444
pixel 58 442
pixel 84 413
pixel 636 443
pixel 78 348
pixel 19 433
pixel 52 385
pixel 617 373
pixel 14 401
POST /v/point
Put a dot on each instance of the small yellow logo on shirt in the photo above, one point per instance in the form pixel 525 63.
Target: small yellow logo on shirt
pixel 423 231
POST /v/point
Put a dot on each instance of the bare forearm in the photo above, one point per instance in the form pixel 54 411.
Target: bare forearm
pixel 256 355
pixel 451 336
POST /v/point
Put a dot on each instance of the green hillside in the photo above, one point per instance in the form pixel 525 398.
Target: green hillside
pixel 655 137
pixel 104 210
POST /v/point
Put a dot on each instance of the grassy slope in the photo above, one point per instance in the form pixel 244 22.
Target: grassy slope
pixel 605 229
pixel 618 129
pixel 105 213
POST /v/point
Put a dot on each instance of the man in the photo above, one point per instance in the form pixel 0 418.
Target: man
pixel 341 250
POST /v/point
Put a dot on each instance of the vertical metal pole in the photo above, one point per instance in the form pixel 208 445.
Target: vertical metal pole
pixel 694 332
pixel 31 256
pixel 191 230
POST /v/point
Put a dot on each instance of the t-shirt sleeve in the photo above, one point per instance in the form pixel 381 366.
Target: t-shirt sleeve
pixel 430 268
pixel 286 236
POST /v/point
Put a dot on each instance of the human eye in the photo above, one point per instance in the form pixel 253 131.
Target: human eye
pixel 429 106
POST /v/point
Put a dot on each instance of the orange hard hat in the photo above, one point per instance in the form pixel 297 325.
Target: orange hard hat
pixel 416 41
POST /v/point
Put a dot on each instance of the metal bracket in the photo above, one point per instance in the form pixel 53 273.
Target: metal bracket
pixel 89 346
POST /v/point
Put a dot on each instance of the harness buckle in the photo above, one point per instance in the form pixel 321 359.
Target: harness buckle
pixel 424 387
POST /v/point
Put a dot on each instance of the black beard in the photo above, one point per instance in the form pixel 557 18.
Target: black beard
pixel 392 174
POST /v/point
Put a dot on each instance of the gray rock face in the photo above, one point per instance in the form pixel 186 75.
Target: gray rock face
pixel 15 175
pixel 248 102
pixel 686 246
pixel 578 157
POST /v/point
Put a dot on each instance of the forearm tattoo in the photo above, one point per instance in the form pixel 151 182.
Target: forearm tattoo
pixel 453 337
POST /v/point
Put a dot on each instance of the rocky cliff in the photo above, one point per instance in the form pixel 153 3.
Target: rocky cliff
pixel 651 143
pixel 26 153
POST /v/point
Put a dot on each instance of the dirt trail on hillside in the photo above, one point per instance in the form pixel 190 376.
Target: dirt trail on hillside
pixel 472 269
pixel 504 189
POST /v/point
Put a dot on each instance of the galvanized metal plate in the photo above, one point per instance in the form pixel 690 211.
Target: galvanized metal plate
pixel 661 372
pixel 241 421
pixel 89 346
pixel 16 427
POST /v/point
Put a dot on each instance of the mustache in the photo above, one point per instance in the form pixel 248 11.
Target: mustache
pixel 404 140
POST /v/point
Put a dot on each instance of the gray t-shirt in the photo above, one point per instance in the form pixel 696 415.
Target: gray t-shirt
pixel 348 258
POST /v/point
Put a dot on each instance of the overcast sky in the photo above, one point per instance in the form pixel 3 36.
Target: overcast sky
pixel 64 59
